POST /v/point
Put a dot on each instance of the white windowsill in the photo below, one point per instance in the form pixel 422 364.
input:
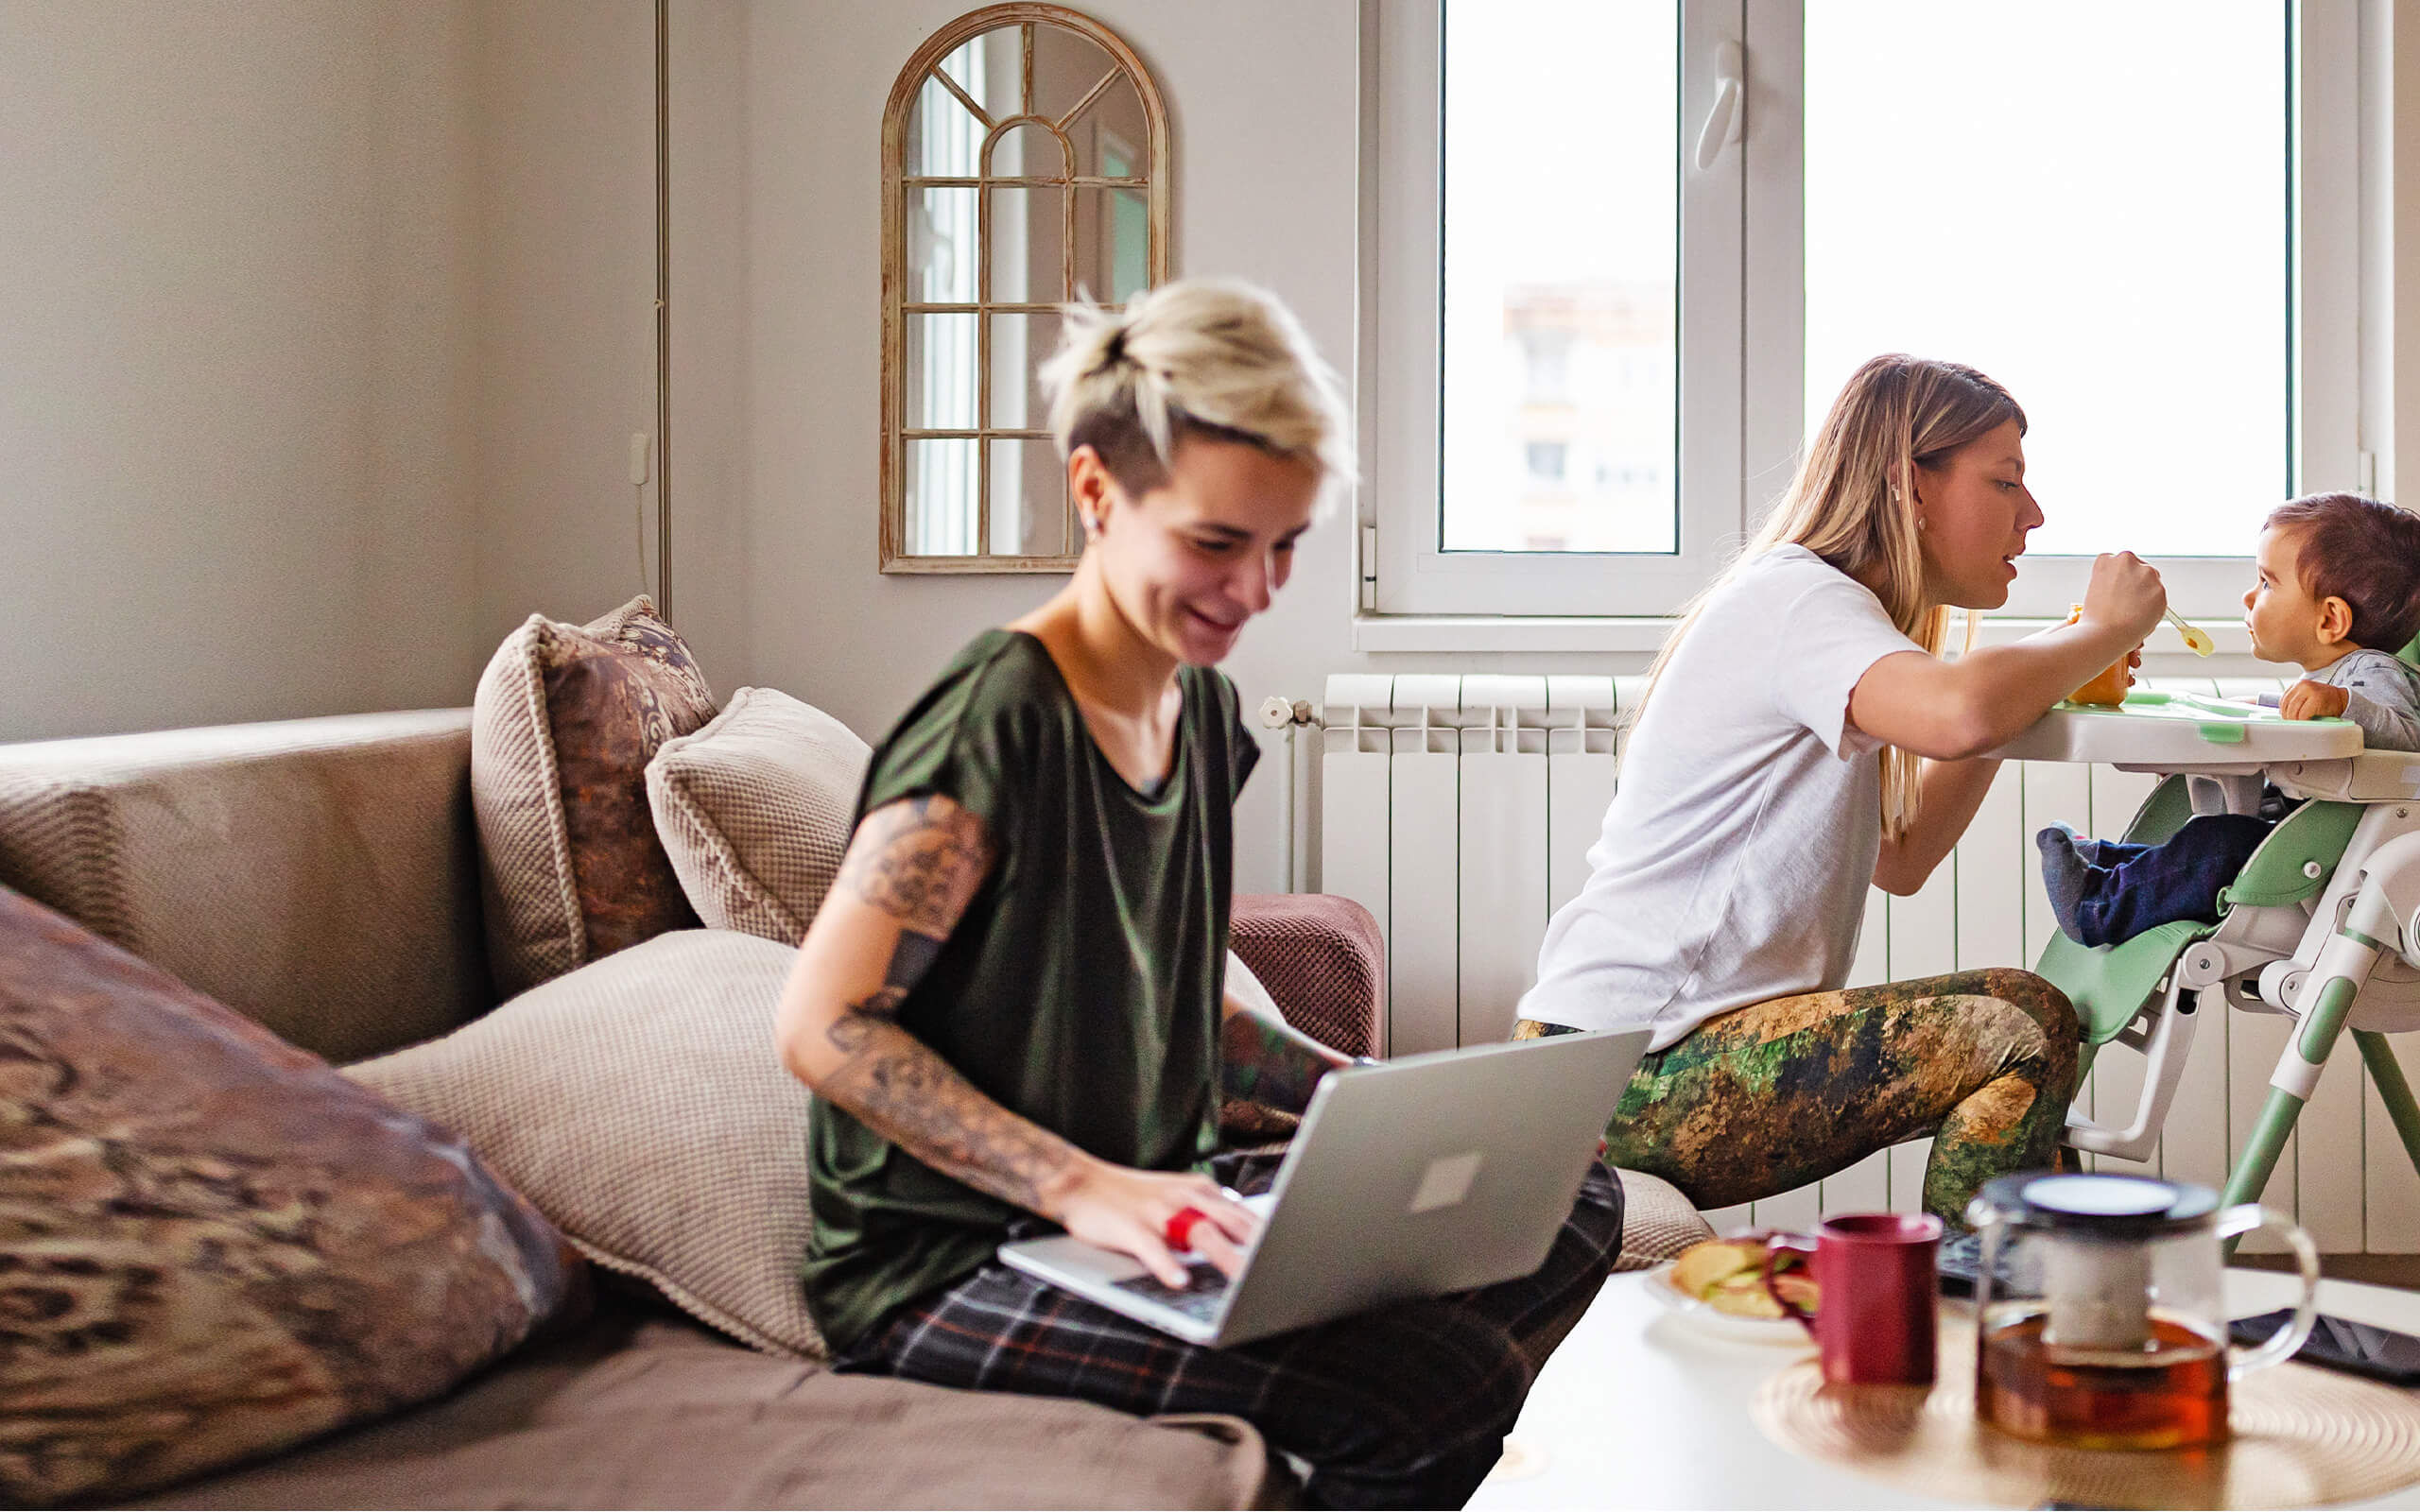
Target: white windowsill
pixel 1448 634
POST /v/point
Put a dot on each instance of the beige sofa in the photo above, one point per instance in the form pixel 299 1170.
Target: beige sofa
pixel 321 877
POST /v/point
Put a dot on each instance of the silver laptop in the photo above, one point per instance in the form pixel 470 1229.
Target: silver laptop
pixel 1414 1177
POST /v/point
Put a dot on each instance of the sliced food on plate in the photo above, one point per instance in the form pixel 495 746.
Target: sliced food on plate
pixel 1728 1275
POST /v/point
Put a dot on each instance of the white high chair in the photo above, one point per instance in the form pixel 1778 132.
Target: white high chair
pixel 2321 925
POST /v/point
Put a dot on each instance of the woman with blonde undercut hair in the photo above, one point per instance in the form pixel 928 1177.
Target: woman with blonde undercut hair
pixel 1805 736
pixel 1011 1008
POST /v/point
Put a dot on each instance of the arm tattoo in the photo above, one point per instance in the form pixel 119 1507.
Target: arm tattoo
pixel 1271 1063
pixel 919 861
pixel 909 960
pixel 897 1086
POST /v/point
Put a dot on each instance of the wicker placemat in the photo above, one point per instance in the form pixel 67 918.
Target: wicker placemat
pixel 2303 1437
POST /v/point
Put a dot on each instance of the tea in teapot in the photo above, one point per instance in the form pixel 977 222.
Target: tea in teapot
pixel 2099 1310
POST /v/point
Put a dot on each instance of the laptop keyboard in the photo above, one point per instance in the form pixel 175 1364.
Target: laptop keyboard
pixel 1205 1291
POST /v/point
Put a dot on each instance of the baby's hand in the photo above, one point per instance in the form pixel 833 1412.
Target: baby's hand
pixel 2307 699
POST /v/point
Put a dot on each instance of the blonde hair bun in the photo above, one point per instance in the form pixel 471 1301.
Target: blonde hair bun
pixel 1209 354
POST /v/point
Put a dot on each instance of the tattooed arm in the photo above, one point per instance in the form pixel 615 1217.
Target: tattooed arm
pixel 912 869
pixel 1267 1060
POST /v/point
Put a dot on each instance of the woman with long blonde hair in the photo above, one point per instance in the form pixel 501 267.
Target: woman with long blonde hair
pixel 1803 736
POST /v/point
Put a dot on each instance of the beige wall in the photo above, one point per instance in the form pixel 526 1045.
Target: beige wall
pixel 565 329
pixel 234 389
pixel 328 325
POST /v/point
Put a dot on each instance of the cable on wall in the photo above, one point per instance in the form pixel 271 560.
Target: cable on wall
pixel 664 308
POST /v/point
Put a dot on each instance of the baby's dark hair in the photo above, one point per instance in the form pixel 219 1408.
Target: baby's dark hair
pixel 2363 552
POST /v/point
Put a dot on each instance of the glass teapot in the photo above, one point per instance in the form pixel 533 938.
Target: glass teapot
pixel 2101 1317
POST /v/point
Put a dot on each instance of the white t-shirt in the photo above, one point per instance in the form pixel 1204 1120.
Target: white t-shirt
pixel 1741 840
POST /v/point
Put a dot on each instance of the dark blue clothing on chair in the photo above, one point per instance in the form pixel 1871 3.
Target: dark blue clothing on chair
pixel 2106 892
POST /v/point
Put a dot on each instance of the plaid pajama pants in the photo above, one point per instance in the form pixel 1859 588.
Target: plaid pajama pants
pixel 1405 1406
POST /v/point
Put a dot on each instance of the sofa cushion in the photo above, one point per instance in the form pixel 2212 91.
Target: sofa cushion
pixel 640 1104
pixel 648 1411
pixel 1657 1221
pixel 563 725
pixel 754 811
pixel 211 1245
pixel 319 876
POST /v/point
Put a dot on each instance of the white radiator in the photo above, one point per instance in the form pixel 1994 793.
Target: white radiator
pixel 1460 809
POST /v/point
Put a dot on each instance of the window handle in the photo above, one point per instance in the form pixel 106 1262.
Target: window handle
pixel 1724 123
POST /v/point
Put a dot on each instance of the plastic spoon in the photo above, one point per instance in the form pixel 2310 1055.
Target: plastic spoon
pixel 2200 643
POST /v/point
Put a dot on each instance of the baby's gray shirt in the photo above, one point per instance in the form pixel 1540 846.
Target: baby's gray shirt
pixel 2382 697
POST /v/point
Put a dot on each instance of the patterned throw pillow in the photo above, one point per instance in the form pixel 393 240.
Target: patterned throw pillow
pixel 212 1245
pixel 754 811
pixel 640 1104
pixel 565 722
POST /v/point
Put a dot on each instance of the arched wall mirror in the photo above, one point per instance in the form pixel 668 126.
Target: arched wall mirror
pixel 1025 156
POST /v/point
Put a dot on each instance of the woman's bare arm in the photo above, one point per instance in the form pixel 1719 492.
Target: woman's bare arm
pixel 1952 791
pixel 1269 1061
pixel 912 869
pixel 1951 711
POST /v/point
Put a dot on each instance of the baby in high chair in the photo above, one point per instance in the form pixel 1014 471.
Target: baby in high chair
pixel 2338 595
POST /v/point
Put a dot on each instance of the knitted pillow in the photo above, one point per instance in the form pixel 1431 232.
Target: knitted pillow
pixel 563 724
pixel 754 811
pixel 640 1104
pixel 212 1246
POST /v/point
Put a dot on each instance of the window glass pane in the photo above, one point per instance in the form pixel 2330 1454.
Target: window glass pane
pixel 1020 344
pixel 1110 134
pixel 1028 499
pixel 1067 67
pixel 943 137
pixel 1029 245
pixel 1562 275
pixel 940 376
pixel 1113 243
pixel 2088 201
pixel 939 493
pixel 940 245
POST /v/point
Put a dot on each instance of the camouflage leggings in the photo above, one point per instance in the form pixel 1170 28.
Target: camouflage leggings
pixel 1776 1095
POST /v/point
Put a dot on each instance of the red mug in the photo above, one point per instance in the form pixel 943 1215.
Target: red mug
pixel 1875 1295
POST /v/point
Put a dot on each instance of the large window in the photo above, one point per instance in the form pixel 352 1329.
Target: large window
pixel 1626 254
pixel 1562 285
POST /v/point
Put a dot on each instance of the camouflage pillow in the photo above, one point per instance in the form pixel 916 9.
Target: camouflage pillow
pixel 212 1245
pixel 563 724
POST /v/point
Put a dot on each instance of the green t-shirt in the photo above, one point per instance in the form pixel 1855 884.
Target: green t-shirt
pixel 1080 989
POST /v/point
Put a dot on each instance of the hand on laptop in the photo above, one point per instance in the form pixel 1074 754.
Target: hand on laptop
pixel 1128 1210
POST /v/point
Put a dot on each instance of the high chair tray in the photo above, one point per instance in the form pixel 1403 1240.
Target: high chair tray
pixel 2178 731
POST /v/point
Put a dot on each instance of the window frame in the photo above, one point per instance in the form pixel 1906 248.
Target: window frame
pixel 1741 417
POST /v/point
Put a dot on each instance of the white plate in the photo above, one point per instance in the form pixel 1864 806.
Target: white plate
pixel 1708 1318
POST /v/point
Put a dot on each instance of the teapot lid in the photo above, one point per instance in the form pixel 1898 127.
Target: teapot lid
pixel 2097 1205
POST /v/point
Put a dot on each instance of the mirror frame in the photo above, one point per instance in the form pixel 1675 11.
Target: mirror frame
pixel 1154 180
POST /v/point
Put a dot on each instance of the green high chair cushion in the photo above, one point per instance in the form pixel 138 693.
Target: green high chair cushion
pixel 2294 862
pixel 2163 814
pixel 2108 984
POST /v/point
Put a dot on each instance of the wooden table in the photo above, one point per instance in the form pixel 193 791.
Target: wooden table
pixel 1639 1408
